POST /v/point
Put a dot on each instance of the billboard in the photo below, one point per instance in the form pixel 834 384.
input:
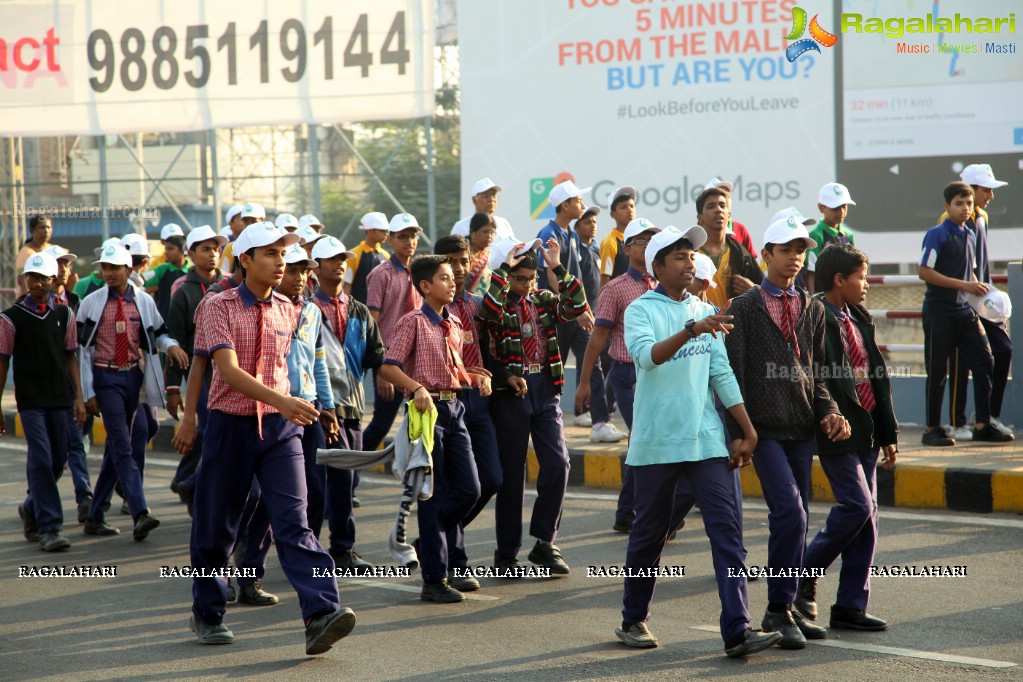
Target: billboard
pixel 79 67
pixel 665 96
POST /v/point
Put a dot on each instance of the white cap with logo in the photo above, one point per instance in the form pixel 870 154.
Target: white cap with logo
pixel 484 185
pixel 565 191
pixel 500 249
pixel 718 182
pixel 403 221
pixel 286 220
pixel 171 230
pixel 112 241
pixel 328 247
pixel 373 221
pixel 136 244
pixel 980 174
pixel 296 254
pixel 638 227
pixel 42 263
pixel 60 253
pixel 307 234
pixel 994 306
pixel 705 269
pixel 256 211
pixel 203 233
pixel 115 254
pixel 787 230
pixel 232 212
pixel 264 234
pixel 696 235
pixel 309 220
pixel 792 211
pixel 835 194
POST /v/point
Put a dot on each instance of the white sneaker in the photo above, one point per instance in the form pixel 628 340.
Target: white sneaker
pixel 583 419
pixel 962 433
pixel 1000 426
pixel 606 433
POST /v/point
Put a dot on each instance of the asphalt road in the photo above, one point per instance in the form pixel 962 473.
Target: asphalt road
pixel 135 626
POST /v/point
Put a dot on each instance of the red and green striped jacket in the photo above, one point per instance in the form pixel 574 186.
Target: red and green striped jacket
pixel 499 313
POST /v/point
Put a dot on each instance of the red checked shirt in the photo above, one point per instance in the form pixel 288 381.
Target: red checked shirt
pixel 390 294
pixel 335 311
pixel 7 332
pixel 466 308
pixel 422 349
pixel 107 330
pixel 613 299
pixel 229 320
pixel 776 307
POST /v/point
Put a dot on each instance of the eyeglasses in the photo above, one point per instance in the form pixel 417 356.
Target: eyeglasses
pixel 523 279
pixel 639 241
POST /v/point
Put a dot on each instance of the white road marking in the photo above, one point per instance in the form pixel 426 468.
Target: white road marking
pixel 892 651
pixel 398 587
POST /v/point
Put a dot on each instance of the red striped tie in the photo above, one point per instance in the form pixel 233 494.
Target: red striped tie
pixel 121 334
pixel 788 321
pixel 530 346
pixel 260 330
pixel 859 364
pixel 650 282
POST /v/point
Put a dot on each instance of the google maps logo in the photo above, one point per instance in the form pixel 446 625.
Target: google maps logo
pixel 818 34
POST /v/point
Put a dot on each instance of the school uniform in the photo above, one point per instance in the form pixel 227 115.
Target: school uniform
pixel 391 294
pixel 39 337
pixel 524 341
pixel 244 440
pixel 352 345
pixel 775 350
pixel 858 382
pixel 678 435
pixel 427 346
pixel 121 335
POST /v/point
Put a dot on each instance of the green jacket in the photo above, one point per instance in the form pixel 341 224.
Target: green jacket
pixel 866 432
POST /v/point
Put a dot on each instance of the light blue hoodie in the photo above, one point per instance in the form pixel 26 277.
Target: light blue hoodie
pixel 675 419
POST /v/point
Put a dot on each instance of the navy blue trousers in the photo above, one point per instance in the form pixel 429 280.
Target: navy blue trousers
pixel 189 463
pixel 76 462
pixel 46 438
pixel 851 528
pixel 232 454
pixel 712 483
pixel 1001 350
pixel 340 491
pixel 572 337
pixel 538 414
pixel 118 396
pixel 784 471
pixel 255 538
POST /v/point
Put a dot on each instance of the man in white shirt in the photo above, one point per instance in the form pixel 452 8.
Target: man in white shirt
pixel 484 199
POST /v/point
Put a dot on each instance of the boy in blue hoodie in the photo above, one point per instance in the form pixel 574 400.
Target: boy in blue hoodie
pixel 673 339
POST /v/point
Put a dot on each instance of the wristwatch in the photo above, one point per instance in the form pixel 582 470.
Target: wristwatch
pixel 689 328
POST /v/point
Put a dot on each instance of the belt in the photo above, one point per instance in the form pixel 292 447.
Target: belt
pixel 533 369
pixel 117 368
pixel 444 395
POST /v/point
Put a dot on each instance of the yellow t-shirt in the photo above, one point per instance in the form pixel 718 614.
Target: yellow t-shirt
pixel 609 251
pixel 720 294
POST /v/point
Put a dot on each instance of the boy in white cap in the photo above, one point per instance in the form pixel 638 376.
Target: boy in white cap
pixel 390 296
pixel 160 279
pixel 250 214
pixel 776 350
pixel 833 201
pixel 41 336
pixel 681 363
pixel 484 200
pixel 95 280
pixel 286 222
pixel 621 205
pixel 138 247
pixel 982 179
pixel 309 220
pixel 704 277
pixel 368 255
pixel 121 332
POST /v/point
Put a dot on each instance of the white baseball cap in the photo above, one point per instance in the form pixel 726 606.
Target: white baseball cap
pixel 286 220
pixel 226 231
pixel 500 249
pixel 980 174
pixel 483 185
pixel 328 247
pixel 705 269
pixel 403 221
pixel 835 194
pixel 60 253
pixel 307 234
pixel 204 233
pixel 696 235
pixel 232 212
pixel 264 234
pixel 787 230
pixel 639 226
pixel 296 254
pixel 792 211
pixel 624 191
pixel 115 254
pixel 309 220
pixel 254 211
pixel 565 191
pixel 171 230
pixel 112 241
pixel 718 182
pixel 42 263
pixel 590 210
pixel 373 221
pixel 136 244
pixel 994 306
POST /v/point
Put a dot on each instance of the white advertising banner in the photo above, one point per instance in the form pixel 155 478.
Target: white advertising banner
pixel 665 96
pixel 81 67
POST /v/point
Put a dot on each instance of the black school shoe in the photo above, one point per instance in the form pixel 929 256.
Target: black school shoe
pixel 623 523
pixel 83 509
pixel 806 598
pixel 752 641
pixel 53 542
pixel 990 434
pixel 29 524
pixel 937 438
pixel 782 623
pixel 548 556
pixel 255 595
pixel 854 619
pixel 323 631
pixel 99 528
pixel 441 592
pixel 143 526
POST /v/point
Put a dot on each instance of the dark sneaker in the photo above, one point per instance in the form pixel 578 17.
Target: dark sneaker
pixel 854 619
pixel 255 595
pixel 791 637
pixel 809 629
pixel 508 567
pixel 991 434
pixel 351 561
pixel 53 542
pixel 623 523
pixel 637 635
pixel 29 526
pixel 753 642
pixel 441 592
pixel 549 556
pixel 83 509
pixel 937 438
pixel 322 632
pixel 98 528
pixel 806 598
pixel 232 595
pixel 143 526
pixel 211 634
pixel 674 533
pixel 463 583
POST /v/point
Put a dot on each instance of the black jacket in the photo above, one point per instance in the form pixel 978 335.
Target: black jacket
pixel 180 318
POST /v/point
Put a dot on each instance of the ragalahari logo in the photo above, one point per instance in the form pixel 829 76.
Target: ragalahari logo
pixel 804 45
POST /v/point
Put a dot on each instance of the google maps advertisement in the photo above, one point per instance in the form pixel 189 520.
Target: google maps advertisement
pixel 665 96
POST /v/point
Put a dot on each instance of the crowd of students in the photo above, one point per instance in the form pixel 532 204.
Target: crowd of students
pixel 263 360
